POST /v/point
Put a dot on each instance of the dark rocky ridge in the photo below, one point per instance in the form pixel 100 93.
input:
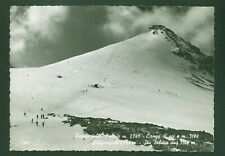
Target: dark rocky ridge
pixel 145 134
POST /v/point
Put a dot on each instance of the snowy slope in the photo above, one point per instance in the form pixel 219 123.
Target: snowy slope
pixel 142 79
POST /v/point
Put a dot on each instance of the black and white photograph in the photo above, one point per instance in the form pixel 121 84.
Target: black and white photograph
pixel 112 78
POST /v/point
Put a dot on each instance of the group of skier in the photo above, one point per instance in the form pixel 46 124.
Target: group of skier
pixel 170 93
pixel 43 122
pixel 42 116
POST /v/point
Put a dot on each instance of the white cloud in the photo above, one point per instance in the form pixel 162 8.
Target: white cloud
pixel 196 25
pixel 33 24
pixel 200 23
pixel 39 34
pixel 44 20
pixel 121 20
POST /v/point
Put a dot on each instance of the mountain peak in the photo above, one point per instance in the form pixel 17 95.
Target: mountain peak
pixel 158 27
pixel 185 49
pixel 168 33
pixel 162 28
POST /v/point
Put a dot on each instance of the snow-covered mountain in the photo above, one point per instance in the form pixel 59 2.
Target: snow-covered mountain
pixel 154 77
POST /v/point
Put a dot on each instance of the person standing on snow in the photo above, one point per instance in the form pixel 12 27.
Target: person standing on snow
pixel 43 124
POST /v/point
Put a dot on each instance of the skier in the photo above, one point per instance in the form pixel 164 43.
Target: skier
pixel 37 116
pixel 32 120
pixel 36 123
pixel 43 124
pixel 24 113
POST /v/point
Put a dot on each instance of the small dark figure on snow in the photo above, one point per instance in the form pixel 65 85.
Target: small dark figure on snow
pixel 42 109
pixel 36 123
pixel 43 124
pixel 37 116
pixel 32 120
pixel 24 113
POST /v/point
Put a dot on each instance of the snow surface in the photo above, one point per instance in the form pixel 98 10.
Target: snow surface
pixel 142 82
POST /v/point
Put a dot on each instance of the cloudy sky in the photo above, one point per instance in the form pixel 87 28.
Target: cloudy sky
pixel 44 35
